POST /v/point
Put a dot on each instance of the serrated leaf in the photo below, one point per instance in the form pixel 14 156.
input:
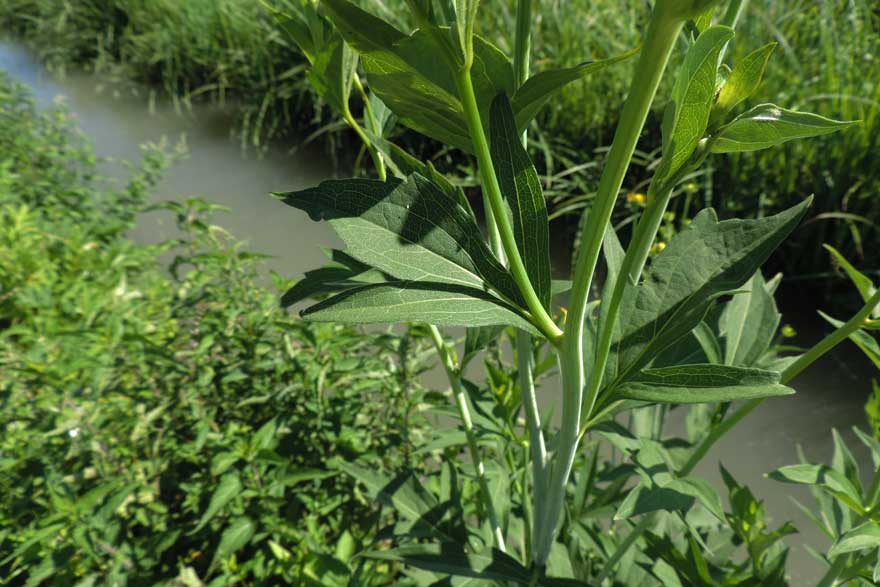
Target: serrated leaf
pixel 228 488
pixel 768 125
pixel 702 384
pixel 701 263
pixel 408 301
pixel 451 559
pixel 541 87
pixel 521 188
pixel 859 538
pixel 235 537
pixel 687 114
pixel 409 229
pixel 743 81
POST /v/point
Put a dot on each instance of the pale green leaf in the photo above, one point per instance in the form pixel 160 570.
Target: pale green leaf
pixel 859 538
pixel 768 125
pixel 702 383
pixel 687 114
pixel 408 229
pixel 408 301
pixel 677 495
pixel 743 81
pixel 541 87
pixel 748 324
pixel 521 188
pixel 825 478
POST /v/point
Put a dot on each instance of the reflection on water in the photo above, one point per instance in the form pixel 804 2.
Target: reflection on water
pixel 829 394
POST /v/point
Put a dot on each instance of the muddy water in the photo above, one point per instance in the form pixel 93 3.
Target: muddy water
pixel 830 394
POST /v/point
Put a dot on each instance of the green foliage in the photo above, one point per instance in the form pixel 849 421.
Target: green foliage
pixel 172 427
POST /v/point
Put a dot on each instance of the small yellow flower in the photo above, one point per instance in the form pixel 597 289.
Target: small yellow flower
pixel 658 247
pixel 788 331
pixel 636 198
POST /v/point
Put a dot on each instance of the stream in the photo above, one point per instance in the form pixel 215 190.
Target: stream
pixel 117 121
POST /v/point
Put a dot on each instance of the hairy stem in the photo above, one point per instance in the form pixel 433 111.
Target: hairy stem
pixel 461 402
pixel 492 192
pixel 659 41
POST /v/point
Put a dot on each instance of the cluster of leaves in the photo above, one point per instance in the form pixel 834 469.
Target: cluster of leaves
pixel 172 427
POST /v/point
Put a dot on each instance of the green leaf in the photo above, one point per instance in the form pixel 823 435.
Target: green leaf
pixel 332 73
pixel 343 273
pixel 859 538
pixel 687 114
pixel 408 301
pixel 677 495
pixel 768 125
pixel 743 81
pixel 688 384
pixel 701 263
pixel 541 87
pixel 476 339
pixel 523 196
pixel 228 488
pixel 408 229
pixel 824 477
pixel 451 559
pixel 862 282
pixel 359 28
pixel 749 324
pixel 234 538
pixel 867 343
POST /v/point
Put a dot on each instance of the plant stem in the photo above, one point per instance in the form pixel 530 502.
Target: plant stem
pixel 492 192
pixel 659 41
pixel 533 419
pixel 378 162
pixel 461 401
pixel 804 361
pixel 522 42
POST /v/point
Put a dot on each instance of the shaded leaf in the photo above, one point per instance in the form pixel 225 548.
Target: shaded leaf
pixel 234 538
pixel 491 564
pixel 228 488
pixel 521 188
pixel 743 81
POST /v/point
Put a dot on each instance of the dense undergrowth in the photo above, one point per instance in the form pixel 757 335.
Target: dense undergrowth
pixel 160 424
pixel 229 49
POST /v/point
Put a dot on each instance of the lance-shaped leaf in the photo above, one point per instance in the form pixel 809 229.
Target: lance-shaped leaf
pixel 859 538
pixel 862 282
pixel 690 384
pixel 409 229
pixel 867 343
pixel 451 559
pixel 743 81
pixel 476 339
pixel 826 478
pixel 410 301
pixel 768 125
pixel 541 87
pixel 363 31
pixel 687 114
pixel 332 73
pixel 524 199
pixel 701 263
pixel 749 324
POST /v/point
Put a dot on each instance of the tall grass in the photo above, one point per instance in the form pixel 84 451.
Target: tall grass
pixel 828 61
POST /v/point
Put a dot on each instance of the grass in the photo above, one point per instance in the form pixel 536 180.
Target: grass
pixel 828 61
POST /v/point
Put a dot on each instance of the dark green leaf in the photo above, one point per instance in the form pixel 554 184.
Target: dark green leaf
pixel 228 488
pixel 234 538
pixel 332 73
pixel 701 384
pixel 359 28
pixel 408 301
pixel 476 339
pixel 538 89
pixel 704 261
pixel 767 125
pixel 521 188
pixel 677 495
pixel 408 229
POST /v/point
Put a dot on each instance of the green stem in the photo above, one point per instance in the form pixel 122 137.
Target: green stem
pixel 378 163
pixel 522 42
pixel 659 41
pixel 533 419
pixel 461 402
pixel 492 192
pixel 646 522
